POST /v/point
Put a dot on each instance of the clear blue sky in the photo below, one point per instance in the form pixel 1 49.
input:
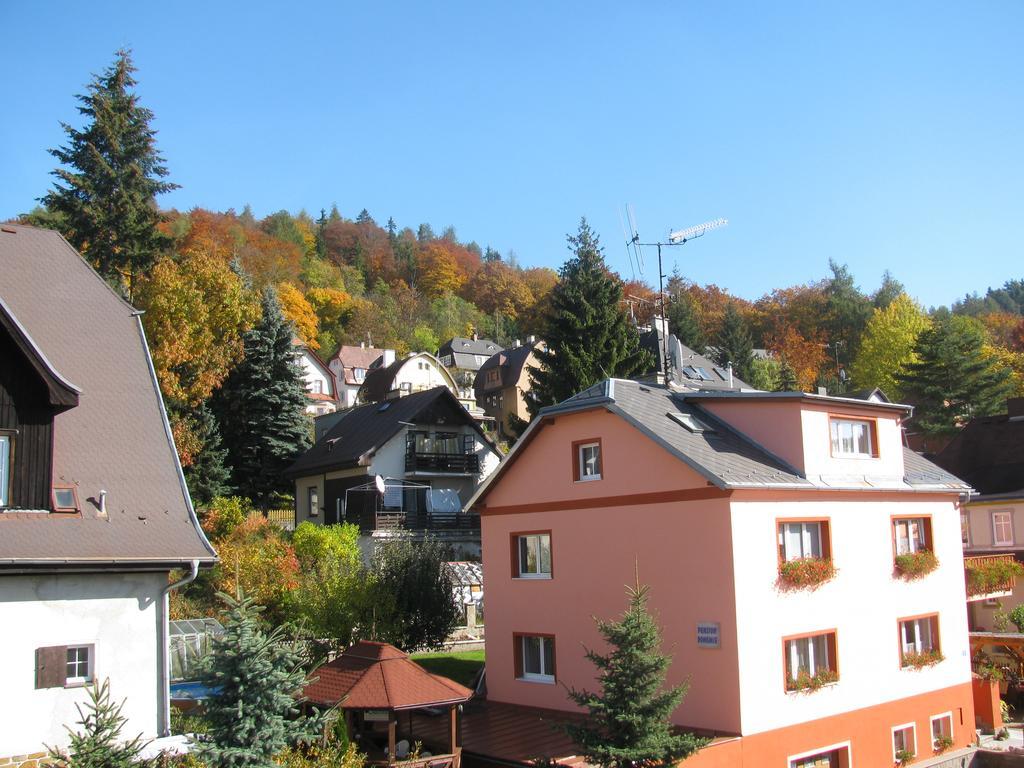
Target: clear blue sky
pixel 884 135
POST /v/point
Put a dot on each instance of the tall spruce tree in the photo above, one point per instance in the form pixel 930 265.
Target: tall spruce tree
pixel 256 675
pixel 106 191
pixel 588 335
pixel 261 408
pixel 733 346
pixel 208 476
pixel 628 723
pixel 952 379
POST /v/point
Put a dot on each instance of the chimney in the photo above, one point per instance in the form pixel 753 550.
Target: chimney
pixel 387 357
pixel 729 371
pixel 823 391
pixel 1015 407
pixel 515 344
pixel 103 503
pixel 531 340
pixel 475 336
pixel 362 345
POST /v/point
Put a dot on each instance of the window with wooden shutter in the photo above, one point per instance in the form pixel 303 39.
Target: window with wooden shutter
pixel 51 666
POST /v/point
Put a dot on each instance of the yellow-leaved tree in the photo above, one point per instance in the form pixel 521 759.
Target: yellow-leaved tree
pixel 887 347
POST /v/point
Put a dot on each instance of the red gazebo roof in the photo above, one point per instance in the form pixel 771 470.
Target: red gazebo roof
pixel 372 675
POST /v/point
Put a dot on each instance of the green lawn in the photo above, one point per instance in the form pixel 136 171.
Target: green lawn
pixel 461 666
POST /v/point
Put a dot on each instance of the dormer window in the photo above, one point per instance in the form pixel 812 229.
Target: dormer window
pixel 65 498
pixel 359 373
pixel 853 438
pixel 5 470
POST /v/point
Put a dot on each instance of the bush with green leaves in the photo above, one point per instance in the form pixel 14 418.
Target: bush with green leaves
pixel 257 678
pixel 97 743
pixel 1017 617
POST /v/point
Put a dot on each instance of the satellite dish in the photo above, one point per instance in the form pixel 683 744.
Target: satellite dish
pixel 379 482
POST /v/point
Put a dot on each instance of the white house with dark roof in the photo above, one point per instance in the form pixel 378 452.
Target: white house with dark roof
pixel 94 511
pixel 321 388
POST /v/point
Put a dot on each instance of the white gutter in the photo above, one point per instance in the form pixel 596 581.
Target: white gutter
pixel 165 651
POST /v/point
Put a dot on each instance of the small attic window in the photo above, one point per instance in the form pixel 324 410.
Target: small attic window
pixel 65 498
pixel 331 442
pixel 690 422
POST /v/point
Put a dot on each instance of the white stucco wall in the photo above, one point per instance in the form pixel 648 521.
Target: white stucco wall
pixel 312 372
pixel 863 603
pixel 421 372
pixel 117 613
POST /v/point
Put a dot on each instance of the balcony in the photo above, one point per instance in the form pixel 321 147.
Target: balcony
pixel 990 576
pixel 400 520
pixel 442 463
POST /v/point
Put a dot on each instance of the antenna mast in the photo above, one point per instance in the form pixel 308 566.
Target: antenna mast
pixel 680 237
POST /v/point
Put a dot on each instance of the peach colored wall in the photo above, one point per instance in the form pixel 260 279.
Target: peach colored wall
pixel 775 425
pixel 987 709
pixel 682 550
pixel 799 433
pixel 630 464
pixel 862 603
pixel 868 732
pixel 980 524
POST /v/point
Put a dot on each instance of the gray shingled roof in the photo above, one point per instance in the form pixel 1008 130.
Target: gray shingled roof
pixel 115 439
pixel 464 351
pixel 725 457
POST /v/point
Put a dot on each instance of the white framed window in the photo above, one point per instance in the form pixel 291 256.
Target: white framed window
pixel 1002 529
pixel 837 756
pixel 810 656
pixel 5 470
pixel 801 539
pixel 533 555
pixel 588 461
pixel 919 635
pixel 318 387
pixel 965 528
pixel 852 438
pixel 942 728
pixel 359 374
pixel 79 665
pixel 536 657
pixel 904 740
pixel 911 534
pixel 313 494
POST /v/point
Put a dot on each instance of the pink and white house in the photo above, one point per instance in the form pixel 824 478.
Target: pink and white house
pixel 710 494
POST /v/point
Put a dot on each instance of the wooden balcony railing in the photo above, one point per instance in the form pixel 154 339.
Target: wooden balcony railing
pixel 398 520
pixel 455 463
pixel 990 574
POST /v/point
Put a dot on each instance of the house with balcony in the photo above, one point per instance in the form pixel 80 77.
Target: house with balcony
pixel 988 453
pixel 404 464
pixel 350 364
pixel 319 380
pixel 805 569
pixel 94 511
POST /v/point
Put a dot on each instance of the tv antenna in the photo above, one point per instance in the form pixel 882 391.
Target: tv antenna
pixel 679 237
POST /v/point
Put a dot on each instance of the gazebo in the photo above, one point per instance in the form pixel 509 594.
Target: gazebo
pixel 374 684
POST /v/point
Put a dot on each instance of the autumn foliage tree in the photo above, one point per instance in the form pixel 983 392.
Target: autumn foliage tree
pixel 887 347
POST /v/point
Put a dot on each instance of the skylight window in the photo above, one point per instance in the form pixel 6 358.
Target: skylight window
pixel 690 422
pixel 384 406
pixel 703 373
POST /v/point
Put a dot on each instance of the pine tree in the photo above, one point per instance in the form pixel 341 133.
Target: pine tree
pixel 628 723
pixel 208 476
pixel 98 744
pixel 254 713
pixel 112 173
pixel 364 217
pixel 588 335
pixel 787 378
pixel 682 321
pixel 952 379
pixel 261 408
pixel 733 345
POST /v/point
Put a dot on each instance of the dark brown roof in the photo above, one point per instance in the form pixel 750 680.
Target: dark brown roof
pixel 510 362
pixel 361 431
pixel 989 454
pixel 380 381
pixel 116 438
pixel 379 676
pixel 356 357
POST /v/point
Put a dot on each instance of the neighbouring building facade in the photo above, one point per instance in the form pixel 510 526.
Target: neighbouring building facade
pixel 988 454
pixel 405 464
pixel 416 372
pixel 94 512
pixel 321 389
pixel 350 364
pixel 720 501
pixel 503 384
pixel 464 357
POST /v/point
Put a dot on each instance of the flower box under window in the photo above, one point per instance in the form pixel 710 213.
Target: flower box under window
pixel 986 575
pixel 919 642
pixel 914 565
pixel 807 572
pixel 811 662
